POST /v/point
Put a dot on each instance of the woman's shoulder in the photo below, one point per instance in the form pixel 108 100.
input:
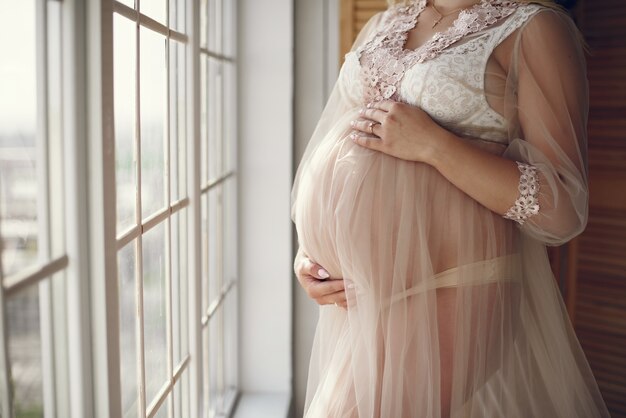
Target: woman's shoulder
pixel 552 31
pixel 539 26
pixel 537 33
pixel 536 16
pixel 549 20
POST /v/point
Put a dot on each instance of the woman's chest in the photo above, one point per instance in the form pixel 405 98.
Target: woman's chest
pixel 456 87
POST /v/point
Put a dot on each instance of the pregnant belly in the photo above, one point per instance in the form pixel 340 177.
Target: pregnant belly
pixel 363 213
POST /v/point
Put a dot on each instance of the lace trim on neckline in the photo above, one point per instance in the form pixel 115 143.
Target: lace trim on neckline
pixel 384 59
pixel 402 19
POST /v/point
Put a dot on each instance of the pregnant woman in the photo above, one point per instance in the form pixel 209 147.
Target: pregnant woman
pixel 451 152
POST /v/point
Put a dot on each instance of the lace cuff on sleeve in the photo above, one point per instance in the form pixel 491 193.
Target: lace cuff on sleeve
pixel 527 204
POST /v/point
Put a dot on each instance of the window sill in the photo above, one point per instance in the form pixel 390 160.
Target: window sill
pixel 263 405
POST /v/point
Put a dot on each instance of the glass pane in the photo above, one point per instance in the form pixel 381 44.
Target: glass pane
pixel 154 8
pixel 204 4
pixel 25 353
pixel 230 118
pixel 181 396
pixel 227 29
pixel 18 124
pixel 204 236
pixel 215 366
pixel 129 3
pixel 178 164
pixel 211 26
pixel 180 324
pixel 162 411
pixel 218 12
pixel 210 279
pixel 204 120
pixel 154 308
pixel 230 340
pixel 124 55
pixel 181 13
pixel 56 168
pixel 173 123
pixel 206 368
pixel 215 281
pixel 153 105
pixel 177 15
pixel 230 229
pixel 182 120
pixel 128 324
pixel 230 273
pixel 213 112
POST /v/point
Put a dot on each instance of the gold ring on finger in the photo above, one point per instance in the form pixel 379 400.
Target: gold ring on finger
pixel 371 126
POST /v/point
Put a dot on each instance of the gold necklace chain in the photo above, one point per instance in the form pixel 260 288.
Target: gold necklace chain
pixel 441 15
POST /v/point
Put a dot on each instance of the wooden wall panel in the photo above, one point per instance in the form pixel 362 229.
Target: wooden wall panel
pixel 354 15
pixel 599 300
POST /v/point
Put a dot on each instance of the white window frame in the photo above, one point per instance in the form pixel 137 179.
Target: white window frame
pixel 89 265
pixel 55 167
pixel 149 407
pixel 105 182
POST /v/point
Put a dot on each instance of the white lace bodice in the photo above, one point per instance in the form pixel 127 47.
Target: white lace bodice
pixel 445 76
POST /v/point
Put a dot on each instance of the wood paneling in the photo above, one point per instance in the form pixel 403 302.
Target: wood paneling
pixel 599 303
pixel 354 15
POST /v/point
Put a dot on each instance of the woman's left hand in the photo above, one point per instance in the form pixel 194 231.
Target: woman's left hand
pixel 398 129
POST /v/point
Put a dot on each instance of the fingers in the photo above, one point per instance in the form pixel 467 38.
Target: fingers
pixel 319 286
pixel 316 280
pixel 377 115
pixel 326 292
pixel 367 141
pixel 386 105
pixel 338 298
pixel 309 268
pixel 315 270
pixel 367 126
pixel 318 289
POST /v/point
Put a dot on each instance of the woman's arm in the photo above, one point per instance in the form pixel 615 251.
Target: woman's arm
pixel 407 132
pixel 550 103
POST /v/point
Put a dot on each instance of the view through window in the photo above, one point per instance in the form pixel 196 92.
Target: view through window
pixel 164 172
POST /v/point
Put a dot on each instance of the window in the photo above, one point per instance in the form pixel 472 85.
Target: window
pixel 218 205
pixel 154 221
pixel 34 262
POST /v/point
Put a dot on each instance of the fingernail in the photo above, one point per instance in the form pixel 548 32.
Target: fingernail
pixel 323 273
pixel 353 135
pixel 352 123
pixel 361 111
pixel 369 105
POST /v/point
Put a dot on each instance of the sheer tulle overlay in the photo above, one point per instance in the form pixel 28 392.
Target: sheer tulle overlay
pixel 452 308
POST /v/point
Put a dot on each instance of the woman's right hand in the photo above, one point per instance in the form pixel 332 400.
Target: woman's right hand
pixel 317 283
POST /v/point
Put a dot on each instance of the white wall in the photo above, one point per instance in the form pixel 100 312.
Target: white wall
pixel 316 69
pixel 277 119
pixel 265 176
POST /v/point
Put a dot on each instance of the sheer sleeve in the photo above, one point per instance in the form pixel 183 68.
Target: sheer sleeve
pixel 340 108
pixel 547 92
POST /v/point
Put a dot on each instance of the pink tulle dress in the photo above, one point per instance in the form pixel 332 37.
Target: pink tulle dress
pixel 453 309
